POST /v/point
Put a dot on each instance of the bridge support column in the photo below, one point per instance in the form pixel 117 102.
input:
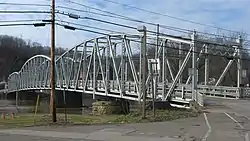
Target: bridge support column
pixel 17 98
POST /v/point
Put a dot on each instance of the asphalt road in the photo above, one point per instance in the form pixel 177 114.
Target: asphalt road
pixel 225 120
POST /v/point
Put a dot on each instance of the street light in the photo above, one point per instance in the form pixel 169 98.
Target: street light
pixel 39 24
pixel 69 27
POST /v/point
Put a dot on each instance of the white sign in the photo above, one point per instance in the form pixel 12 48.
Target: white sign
pixel 155 64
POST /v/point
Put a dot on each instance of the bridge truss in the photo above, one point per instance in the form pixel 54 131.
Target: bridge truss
pixel 111 66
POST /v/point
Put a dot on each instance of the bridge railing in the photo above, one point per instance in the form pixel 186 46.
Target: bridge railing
pixel 220 91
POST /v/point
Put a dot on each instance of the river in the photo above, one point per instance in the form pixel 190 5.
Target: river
pixel 28 106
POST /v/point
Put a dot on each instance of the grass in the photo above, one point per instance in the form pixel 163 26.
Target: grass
pixel 135 117
pixel 18 121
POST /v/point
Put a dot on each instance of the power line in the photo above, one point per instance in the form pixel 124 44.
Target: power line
pixel 169 16
pixel 99 20
pixel 24 24
pixel 88 26
pixel 131 34
pixel 34 12
pixel 14 21
pixel 28 11
pixel 118 16
pixel 24 4
pixel 185 50
pixel 74 28
pixel 111 13
pixel 135 28
pixel 104 21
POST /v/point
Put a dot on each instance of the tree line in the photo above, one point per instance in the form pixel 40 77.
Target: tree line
pixel 15 51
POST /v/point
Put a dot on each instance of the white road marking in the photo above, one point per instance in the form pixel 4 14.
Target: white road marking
pixel 242 127
pixel 209 128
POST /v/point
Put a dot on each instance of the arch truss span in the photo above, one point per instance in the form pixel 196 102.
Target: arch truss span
pixel 34 74
pixel 177 68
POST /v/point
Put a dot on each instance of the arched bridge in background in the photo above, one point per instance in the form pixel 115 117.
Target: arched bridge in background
pixel 110 66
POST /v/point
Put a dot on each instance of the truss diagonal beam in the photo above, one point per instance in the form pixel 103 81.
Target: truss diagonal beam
pixel 226 69
pixel 179 73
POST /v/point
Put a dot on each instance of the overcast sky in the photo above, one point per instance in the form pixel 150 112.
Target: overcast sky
pixel 229 14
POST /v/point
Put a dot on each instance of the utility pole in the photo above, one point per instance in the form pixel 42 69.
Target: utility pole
pixel 143 66
pixel 52 67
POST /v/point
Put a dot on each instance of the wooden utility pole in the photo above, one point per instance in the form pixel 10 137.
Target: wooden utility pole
pixel 52 67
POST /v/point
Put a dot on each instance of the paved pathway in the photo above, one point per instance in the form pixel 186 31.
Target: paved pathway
pixel 225 120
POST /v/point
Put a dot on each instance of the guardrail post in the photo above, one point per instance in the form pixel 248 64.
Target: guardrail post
pixel 183 92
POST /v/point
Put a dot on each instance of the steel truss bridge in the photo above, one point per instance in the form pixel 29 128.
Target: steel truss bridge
pixel 111 66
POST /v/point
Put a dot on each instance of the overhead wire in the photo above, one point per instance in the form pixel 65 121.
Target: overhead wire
pixel 63 13
pixel 128 19
pixel 108 30
pixel 24 24
pixel 185 50
pixel 23 11
pixel 21 20
pixel 173 17
pixel 88 26
pixel 118 16
pixel 135 28
pixel 117 24
pixel 24 4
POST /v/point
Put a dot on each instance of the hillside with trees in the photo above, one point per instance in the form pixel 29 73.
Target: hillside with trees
pixel 15 51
